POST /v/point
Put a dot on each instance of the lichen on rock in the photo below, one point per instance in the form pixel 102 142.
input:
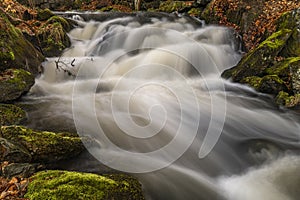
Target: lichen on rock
pixel 75 185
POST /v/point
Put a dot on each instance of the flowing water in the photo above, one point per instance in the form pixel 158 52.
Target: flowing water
pixel 147 88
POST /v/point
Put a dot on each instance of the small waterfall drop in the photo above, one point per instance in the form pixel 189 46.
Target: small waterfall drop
pixel 147 89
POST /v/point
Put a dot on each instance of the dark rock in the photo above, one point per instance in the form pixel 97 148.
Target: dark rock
pixel 44 147
pixel 14 83
pixel 23 170
pixel 12 152
pixel 272 84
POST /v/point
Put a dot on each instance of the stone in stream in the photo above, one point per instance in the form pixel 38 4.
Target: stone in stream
pixel 43 146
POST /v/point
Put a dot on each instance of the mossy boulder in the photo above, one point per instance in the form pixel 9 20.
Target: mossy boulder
pixel 11 114
pixel 14 83
pixel 44 14
pixel 15 50
pixel 289 101
pixel 53 36
pixel 291 20
pixel 259 59
pixel 12 152
pixel 66 185
pixel 44 147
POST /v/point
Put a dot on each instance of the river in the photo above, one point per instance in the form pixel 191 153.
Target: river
pixel 146 88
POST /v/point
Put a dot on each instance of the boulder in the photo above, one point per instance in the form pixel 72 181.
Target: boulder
pixel 259 59
pixel 74 185
pixel 53 36
pixel 15 50
pixel 14 83
pixel 12 152
pixel 44 147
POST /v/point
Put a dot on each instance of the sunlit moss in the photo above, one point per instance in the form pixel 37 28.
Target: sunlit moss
pixel 60 185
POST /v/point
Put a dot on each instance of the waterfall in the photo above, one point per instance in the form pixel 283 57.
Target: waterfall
pixel 146 88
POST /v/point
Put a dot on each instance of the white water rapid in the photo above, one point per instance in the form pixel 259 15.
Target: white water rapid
pixel 147 88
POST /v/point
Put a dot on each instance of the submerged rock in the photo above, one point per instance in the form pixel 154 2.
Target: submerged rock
pixel 14 83
pixel 44 147
pixel 75 185
pixel 11 114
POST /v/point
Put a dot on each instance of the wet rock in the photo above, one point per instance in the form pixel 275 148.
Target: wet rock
pixel 15 50
pixel 272 84
pixel 14 83
pixel 289 101
pixel 44 147
pixel 53 36
pixel 75 185
pixel 12 152
pixel 11 114
pixel 23 170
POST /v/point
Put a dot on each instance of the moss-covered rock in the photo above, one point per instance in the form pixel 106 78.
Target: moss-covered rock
pixel 174 6
pixel 284 99
pixel 44 147
pixel 11 114
pixel 44 14
pixel 53 36
pixel 12 152
pixel 272 84
pixel 252 81
pixel 14 83
pixel 15 50
pixel 66 185
pixel 259 59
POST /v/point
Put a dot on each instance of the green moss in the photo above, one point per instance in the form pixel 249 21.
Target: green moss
pixel 276 40
pixel 272 84
pixel 43 146
pixel 284 99
pixel 195 12
pixel 11 114
pixel 252 81
pixel 60 185
pixel 259 59
pixel 15 50
pixel 53 36
pixel 283 66
pixel 14 83
pixel 60 20
pixel 44 15
pixel 172 6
